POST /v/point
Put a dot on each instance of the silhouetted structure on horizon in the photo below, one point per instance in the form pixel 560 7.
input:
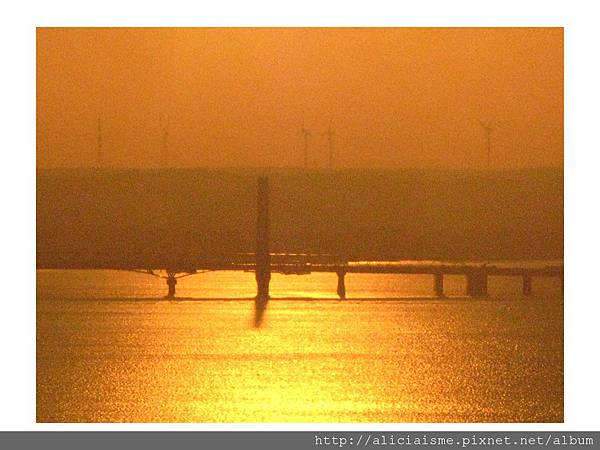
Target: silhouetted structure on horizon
pixel 306 134
pixel 263 256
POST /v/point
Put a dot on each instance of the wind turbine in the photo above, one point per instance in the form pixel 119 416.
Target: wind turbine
pixel 306 133
pixel 164 128
pixel 488 128
pixel 330 133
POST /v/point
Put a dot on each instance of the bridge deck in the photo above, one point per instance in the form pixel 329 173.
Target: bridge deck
pixel 279 265
pixel 401 268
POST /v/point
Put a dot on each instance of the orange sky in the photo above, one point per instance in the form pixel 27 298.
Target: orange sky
pixel 397 97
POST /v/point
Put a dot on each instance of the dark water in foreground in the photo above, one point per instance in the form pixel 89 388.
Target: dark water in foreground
pixel 107 351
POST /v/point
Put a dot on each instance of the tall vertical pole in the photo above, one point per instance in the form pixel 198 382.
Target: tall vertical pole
pixel 263 258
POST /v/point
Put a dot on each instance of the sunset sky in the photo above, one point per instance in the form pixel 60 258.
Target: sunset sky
pixel 396 97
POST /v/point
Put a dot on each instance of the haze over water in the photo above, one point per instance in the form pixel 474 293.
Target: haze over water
pixel 110 349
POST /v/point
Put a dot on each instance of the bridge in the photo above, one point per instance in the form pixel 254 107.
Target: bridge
pixel 263 263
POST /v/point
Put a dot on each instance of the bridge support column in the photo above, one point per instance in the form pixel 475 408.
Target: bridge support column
pixel 171 282
pixel 477 283
pixel 341 284
pixel 527 285
pixel 263 257
pixel 438 284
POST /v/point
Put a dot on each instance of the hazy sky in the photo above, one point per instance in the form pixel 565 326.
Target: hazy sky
pixel 396 97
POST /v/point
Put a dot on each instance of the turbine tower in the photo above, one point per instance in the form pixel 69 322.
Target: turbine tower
pixel 164 128
pixel 330 133
pixel 488 128
pixel 99 154
pixel 306 133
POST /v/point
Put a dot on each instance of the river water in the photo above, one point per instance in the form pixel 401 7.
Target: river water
pixel 110 349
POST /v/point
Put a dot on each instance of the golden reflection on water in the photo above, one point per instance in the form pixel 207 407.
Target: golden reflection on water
pixel 311 361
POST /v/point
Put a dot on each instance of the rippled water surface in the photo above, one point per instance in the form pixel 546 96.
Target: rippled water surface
pixel 110 349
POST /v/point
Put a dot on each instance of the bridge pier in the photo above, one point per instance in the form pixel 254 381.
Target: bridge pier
pixel 477 282
pixel 438 284
pixel 263 257
pixel 341 284
pixel 527 285
pixel 171 283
